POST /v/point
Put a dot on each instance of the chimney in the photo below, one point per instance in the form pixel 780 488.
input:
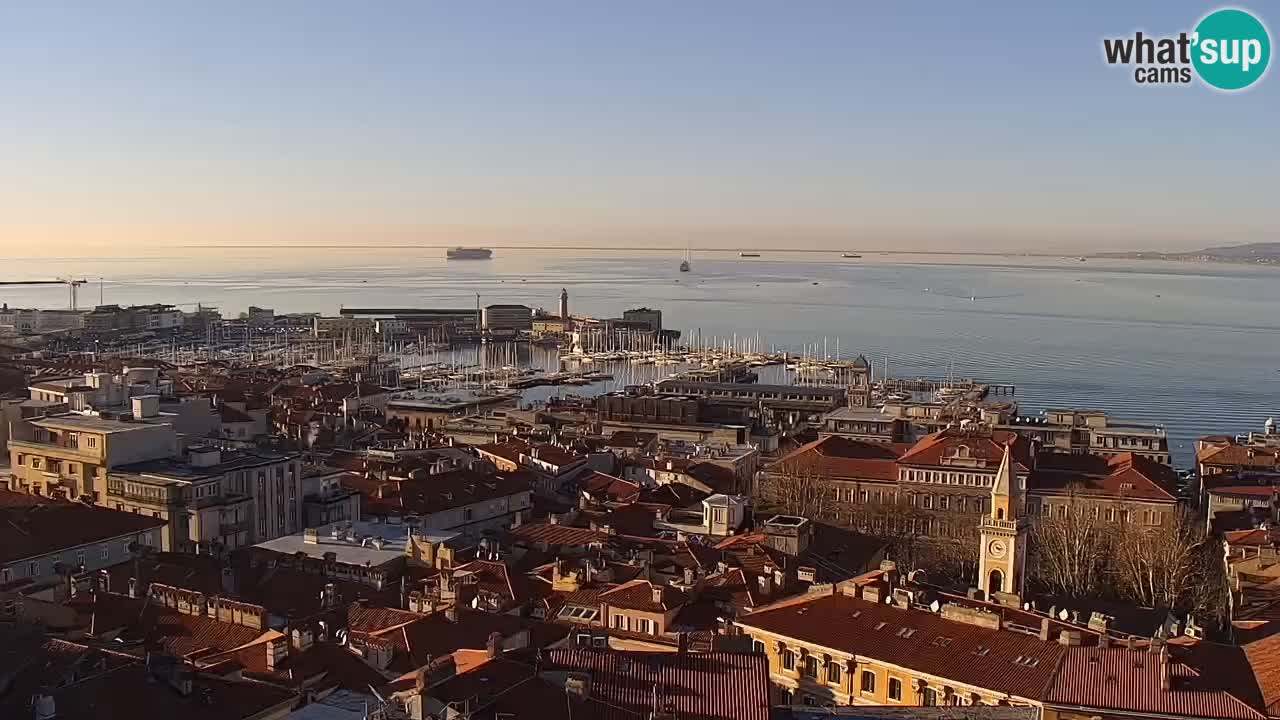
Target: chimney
pixel 277 652
pixel 494 645
pixel 133 587
pixel 451 613
pixel 1046 629
pixel 657 593
pixel 330 596
pixel 766 584
pixel 688 576
pixel 1166 682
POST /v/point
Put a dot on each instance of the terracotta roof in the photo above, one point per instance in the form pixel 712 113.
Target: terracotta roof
pixel 707 686
pixel 630 439
pixel 495 578
pixel 509 688
pixel 1255 537
pixel 130 693
pixel 1249 491
pixel 987 445
pixel 998 660
pixel 34 526
pixel 845 459
pixel 435 635
pixel 638 595
pixel 1264 660
pixel 363 618
pixel 434 493
pixel 1120 679
pixel 282 584
pixel 556 535
pixel 611 488
pixel 1123 475
pixel 1242 456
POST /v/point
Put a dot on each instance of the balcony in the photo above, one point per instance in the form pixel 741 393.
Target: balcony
pixel 1006 525
pixel 157 496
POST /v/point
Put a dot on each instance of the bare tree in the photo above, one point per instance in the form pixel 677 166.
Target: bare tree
pixel 798 489
pixel 1069 553
pixel 1161 566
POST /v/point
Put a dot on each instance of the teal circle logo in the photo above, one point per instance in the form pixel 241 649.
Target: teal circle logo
pixel 1231 49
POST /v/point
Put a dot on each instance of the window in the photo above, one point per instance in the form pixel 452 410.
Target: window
pixel 868 681
pixel 621 622
pixel 73 440
pixel 785 697
pixel 466 514
pixel 757 646
pixel 645 626
pixel 92 441
pixel 4 575
pixel 788 660
pixel 929 697
pixel 895 689
pixel 79 558
pixel 811 666
pixel 106 552
pixel 834 672
pixel 35 462
pixel 33 568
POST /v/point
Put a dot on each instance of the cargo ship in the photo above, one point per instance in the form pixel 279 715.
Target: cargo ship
pixel 466 253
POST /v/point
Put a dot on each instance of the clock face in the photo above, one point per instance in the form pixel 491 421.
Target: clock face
pixel 996 548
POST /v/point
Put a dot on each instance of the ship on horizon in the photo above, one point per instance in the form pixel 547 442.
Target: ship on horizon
pixel 468 253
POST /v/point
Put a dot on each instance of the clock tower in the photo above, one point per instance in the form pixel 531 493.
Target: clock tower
pixel 1003 556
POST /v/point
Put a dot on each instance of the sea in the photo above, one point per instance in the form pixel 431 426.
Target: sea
pixel 1191 346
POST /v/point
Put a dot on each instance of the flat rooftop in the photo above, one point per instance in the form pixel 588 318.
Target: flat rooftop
pixel 182 469
pixel 862 414
pixel 87 423
pixel 353 542
pixel 447 400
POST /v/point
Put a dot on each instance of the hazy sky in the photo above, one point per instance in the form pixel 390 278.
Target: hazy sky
pixel 810 123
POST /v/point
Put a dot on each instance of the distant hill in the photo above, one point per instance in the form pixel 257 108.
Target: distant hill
pixel 1259 253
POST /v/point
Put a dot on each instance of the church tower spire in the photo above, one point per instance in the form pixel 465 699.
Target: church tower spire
pixel 1002 557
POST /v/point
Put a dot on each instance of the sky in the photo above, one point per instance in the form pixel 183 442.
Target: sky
pixel 991 126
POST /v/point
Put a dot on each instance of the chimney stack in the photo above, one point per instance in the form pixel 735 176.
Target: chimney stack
pixel 494 645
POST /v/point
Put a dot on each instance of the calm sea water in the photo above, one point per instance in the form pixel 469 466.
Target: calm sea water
pixel 1195 347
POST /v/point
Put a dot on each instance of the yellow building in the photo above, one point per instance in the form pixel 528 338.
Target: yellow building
pixel 847 646
pixel 69 455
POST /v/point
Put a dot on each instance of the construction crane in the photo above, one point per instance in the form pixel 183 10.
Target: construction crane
pixel 73 286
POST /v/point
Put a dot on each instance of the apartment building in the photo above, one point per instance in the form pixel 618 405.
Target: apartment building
pixel 1091 432
pixel 507 318
pixel 39 536
pixel 69 455
pixel 213 497
pixel 866 424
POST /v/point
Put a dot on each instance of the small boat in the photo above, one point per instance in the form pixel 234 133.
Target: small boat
pixel 851 256
pixel 684 264
pixel 1083 259
pixel 748 254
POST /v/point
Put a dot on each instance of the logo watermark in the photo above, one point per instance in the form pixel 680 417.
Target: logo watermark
pixel 1229 49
